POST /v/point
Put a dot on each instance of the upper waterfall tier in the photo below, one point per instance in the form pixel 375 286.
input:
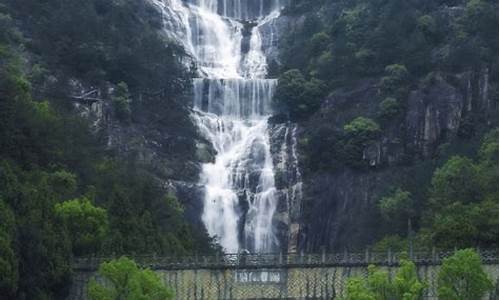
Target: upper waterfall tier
pixel 221 47
pixel 239 9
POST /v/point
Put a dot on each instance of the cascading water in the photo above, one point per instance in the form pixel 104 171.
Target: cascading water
pixel 232 101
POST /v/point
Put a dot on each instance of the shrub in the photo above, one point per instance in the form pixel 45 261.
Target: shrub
pixel 379 284
pixel 86 224
pixel 396 77
pixel 455 181
pixel 125 280
pixel 462 277
pixel 399 203
pixel 298 96
pixel 362 126
pixel 388 108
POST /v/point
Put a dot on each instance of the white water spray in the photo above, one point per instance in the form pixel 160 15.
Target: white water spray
pixel 232 104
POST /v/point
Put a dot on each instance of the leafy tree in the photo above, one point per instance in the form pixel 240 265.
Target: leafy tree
pixel 357 289
pixel 86 224
pixel 63 182
pixel 388 108
pixel 396 76
pixel 406 282
pixel 487 167
pixel 358 134
pixel 427 24
pixel 362 127
pixel 464 225
pixel 399 203
pixel 123 279
pixel 456 181
pixel 462 277
pixel 380 286
pixel 319 43
pixel 296 95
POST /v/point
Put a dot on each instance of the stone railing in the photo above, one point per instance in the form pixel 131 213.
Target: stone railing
pixel 280 260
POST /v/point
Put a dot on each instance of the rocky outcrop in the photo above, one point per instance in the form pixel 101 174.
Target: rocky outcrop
pixel 339 205
pixel 288 179
pixel 170 149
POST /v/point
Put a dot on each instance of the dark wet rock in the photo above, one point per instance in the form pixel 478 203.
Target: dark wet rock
pixel 339 206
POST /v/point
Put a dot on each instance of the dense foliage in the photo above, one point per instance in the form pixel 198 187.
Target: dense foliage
pixel 462 277
pixel 123 279
pixel 343 40
pixel 385 53
pixel 379 285
pixel 63 192
pixel 461 209
pixel 85 223
pixel 298 96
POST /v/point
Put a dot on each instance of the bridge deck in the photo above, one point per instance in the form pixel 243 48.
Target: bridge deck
pixel 279 260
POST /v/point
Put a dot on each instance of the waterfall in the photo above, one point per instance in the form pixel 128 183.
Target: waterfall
pixel 231 107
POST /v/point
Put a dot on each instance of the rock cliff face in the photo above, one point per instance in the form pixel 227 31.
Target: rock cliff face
pixel 170 149
pixel 339 206
pixel 332 208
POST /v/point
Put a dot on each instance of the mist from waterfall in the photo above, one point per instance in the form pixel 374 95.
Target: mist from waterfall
pixel 232 104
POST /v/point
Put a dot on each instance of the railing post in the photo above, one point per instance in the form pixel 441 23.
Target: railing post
pixel 217 258
pixel 346 259
pixel 280 259
pixel 323 255
pixel 367 255
pixel 301 257
pixel 434 257
pixel 389 256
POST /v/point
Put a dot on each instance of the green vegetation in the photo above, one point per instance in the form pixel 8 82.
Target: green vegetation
pixel 86 224
pixel 63 192
pixel 461 209
pixel 297 96
pixel 379 284
pixel 123 279
pixel 398 204
pixel 328 149
pixel 362 127
pixel 462 277
pixel 386 52
pixel 121 102
pixel 103 40
pixel 343 41
pixel 388 108
pixel 8 260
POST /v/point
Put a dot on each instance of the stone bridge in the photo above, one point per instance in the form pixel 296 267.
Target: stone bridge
pixel 275 276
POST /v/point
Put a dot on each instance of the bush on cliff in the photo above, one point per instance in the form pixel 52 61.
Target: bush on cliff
pixel 297 96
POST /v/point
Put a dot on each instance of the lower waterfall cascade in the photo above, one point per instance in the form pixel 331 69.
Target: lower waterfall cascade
pixel 231 108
